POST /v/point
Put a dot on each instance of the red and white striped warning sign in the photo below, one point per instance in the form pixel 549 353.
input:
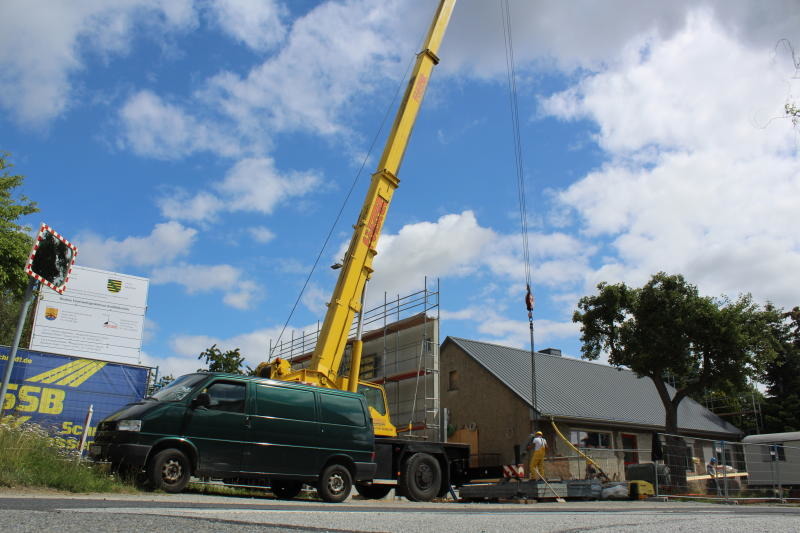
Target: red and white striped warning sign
pixel 517 471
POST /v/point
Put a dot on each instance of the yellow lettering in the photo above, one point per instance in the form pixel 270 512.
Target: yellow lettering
pixel 10 399
pixel 52 401
pixel 28 401
pixel 92 431
pixel 77 430
pixel 66 428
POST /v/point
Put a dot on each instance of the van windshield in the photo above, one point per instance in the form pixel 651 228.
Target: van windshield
pixel 179 389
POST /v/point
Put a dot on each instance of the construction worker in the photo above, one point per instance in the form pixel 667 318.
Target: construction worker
pixel 537 446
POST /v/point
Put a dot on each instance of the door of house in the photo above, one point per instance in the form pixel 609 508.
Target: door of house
pixel 631 446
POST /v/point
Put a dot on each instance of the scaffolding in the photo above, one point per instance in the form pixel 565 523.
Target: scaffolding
pixel 401 352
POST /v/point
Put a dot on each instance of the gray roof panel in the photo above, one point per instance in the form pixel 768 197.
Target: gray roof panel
pixel 567 387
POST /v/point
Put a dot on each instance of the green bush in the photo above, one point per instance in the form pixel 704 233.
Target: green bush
pixel 29 457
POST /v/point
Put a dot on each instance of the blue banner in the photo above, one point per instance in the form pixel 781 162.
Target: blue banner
pixel 55 391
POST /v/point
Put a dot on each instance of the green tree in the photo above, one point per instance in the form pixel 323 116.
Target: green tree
pixel 781 408
pixel 230 361
pixel 15 244
pixel 668 332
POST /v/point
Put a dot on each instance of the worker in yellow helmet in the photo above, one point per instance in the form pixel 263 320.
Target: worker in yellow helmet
pixel 537 446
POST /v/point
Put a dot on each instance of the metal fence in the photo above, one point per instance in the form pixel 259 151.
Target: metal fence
pixel 685 467
pixel 733 471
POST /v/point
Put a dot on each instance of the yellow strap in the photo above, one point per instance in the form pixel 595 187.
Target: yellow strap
pixel 588 459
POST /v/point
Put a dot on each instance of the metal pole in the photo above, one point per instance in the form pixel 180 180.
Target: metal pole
pixel 26 303
pixel 87 422
pixel 725 473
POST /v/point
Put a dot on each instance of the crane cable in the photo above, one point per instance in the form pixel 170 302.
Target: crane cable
pixel 520 178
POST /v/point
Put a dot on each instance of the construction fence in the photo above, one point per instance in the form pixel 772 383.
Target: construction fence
pixel 692 467
pixel 684 467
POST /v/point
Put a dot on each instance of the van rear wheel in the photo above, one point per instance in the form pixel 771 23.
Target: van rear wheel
pixel 285 490
pixel 169 470
pixel 335 484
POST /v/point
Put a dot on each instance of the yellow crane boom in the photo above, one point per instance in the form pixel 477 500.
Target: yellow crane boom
pixel 356 270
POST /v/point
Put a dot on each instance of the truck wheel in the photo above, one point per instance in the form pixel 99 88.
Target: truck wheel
pixel 286 490
pixel 169 470
pixel 373 492
pixel 421 478
pixel 335 484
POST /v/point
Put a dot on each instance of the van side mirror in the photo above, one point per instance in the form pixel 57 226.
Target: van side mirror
pixel 201 400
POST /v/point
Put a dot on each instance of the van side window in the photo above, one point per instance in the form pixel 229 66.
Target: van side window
pixel 342 410
pixel 285 402
pixel 227 396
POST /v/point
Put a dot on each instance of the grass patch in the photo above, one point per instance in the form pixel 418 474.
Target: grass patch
pixel 29 457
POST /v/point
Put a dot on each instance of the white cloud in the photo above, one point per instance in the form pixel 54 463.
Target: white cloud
pixel 587 34
pixel 167 241
pixel 498 329
pixel 252 184
pixel 42 46
pixel 155 128
pixel 240 293
pixel 254 346
pixel 261 234
pixel 256 24
pixel 692 185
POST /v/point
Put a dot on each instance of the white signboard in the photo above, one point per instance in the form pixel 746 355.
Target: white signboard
pixel 100 316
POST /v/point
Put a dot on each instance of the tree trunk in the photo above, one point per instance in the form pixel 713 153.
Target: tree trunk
pixel 675 451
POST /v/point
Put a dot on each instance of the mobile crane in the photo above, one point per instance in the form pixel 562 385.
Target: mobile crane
pixel 420 469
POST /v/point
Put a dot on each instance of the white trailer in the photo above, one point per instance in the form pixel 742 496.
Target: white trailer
pixel 773 459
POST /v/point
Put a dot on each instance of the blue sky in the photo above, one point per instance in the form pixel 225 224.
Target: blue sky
pixel 208 144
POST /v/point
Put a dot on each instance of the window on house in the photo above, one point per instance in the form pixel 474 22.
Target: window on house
pixel 774 452
pixel 452 381
pixel 590 439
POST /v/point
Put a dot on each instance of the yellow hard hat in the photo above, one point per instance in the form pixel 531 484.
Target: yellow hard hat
pixel 538 433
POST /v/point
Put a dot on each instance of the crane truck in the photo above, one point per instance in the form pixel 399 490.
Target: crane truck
pixel 421 470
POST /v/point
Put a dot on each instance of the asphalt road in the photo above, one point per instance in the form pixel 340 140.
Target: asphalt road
pixel 46 512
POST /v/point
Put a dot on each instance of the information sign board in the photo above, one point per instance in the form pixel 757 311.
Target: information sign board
pixel 100 317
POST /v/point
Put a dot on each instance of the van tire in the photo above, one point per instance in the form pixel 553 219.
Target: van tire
pixel 169 470
pixel 335 484
pixel 421 478
pixel 373 492
pixel 285 490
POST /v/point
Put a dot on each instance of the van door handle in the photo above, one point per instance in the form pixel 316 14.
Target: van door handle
pixel 247 422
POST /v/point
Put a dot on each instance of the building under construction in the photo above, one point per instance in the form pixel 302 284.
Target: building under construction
pixel 401 352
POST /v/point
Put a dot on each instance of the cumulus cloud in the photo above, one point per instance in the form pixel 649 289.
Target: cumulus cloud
pixel 252 184
pixel 154 128
pixel 261 234
pixel 167 241
pixel 693 185
pixel 586 34
pixel 240 293
pixel 41 50
pixel 256 24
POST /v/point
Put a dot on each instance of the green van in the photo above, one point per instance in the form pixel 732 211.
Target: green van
pixel 215 425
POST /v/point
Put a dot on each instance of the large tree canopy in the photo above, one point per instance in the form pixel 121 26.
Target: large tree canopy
pixel 668 332
pixel 230 361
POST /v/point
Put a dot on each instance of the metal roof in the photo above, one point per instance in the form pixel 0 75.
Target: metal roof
pixel 567 387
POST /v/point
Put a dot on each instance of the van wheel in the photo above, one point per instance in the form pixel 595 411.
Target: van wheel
pixel 421 478
pixel 169 470
pixel 286 490
pixel 373 492
pixel 335 484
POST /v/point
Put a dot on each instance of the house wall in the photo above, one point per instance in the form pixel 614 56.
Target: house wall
pixel 482 404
